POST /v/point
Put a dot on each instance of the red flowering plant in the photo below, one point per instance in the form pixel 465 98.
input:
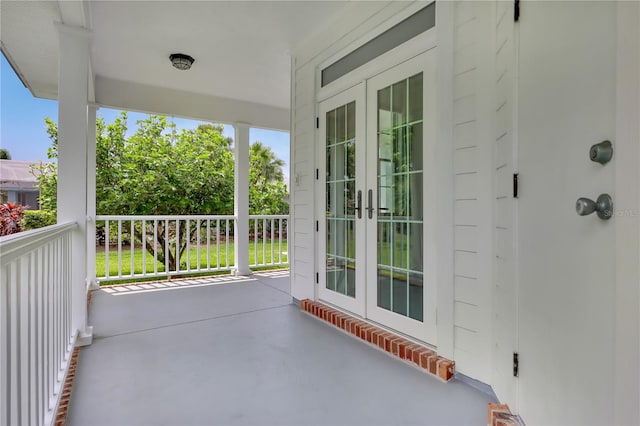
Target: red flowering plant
pixel 10 217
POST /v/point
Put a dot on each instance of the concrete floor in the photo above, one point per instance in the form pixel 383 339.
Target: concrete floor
pixel 236 351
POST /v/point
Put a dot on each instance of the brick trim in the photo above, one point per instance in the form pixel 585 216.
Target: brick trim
pixel 395 345
pixel 63 406
pixel 500 415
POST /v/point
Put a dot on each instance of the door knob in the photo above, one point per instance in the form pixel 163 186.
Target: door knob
pixel 603 206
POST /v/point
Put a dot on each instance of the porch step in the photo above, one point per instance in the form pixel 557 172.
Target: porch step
pixel 395 345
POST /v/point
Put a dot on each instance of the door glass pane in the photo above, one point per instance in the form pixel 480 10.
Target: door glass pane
pixel 400 198
pixel 340 206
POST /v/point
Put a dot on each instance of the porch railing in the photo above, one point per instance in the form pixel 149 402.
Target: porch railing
pixel 37 336
pixel 133 247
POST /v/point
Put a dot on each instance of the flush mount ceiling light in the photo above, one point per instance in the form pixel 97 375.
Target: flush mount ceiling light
pixel 181 61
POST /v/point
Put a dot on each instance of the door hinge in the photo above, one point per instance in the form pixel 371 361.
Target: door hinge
pixel 317 122
pixel 317 226
pixel 317 278
pixel 516 10
pixel 516 365
pixel 317 174
pixel 516 179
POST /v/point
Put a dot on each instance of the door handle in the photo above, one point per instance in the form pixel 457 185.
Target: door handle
pixel 370 208
pixel 603 206
pixel 359 205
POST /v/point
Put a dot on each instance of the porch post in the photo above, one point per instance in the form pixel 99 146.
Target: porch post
pixel 73 80
pixel 241 198
pixel 91 198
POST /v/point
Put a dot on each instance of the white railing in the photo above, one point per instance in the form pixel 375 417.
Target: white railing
pixel 133 247
pixel 268 234
pixel 36 332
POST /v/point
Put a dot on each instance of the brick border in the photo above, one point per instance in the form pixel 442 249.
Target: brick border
pixel 63 406
pixel 500 415
pixel 404 349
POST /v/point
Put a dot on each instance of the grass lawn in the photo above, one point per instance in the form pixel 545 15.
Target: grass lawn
pixel 101 260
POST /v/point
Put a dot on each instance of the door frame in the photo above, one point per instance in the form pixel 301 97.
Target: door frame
pixel 442 36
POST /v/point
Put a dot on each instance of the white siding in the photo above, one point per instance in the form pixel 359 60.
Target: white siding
pixel 504 282
pixel 302 239
pixel 472 191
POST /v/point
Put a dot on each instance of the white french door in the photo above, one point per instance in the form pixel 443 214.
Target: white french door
pixel 377 143
pixel 400 140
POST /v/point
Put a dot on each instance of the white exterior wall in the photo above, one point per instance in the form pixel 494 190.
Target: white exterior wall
pixel 504 272
pixel 472 98
pixel 481 82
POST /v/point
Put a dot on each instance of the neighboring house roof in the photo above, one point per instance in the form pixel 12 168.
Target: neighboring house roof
pixel 16 175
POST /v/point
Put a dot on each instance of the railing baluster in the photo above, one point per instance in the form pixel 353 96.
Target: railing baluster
pixel 198 242
pixel 155 247
pixel 218 243
pixel 132 248
pixel 208 244
pixel 226 239
pixel 144 248
pixel 106 249
pixel 255 242
pixel 272 241
pixel 264 241
pixel 280 240
pixel 178 253
pixel 187 237
pixel 166 247
pixel 119 248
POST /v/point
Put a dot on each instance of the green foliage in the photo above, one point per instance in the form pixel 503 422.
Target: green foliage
pixel 160 171
pixel 34 219
pixel 267 189
pixel 10 217
pixel 4 154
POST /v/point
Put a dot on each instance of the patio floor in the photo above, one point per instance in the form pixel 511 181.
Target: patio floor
pixel 233 350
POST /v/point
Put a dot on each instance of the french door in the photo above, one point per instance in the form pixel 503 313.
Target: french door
pixel 377 142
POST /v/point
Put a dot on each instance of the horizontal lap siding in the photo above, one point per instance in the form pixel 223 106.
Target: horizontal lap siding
pixel 503 206
pixel 472 200
pixel 302 181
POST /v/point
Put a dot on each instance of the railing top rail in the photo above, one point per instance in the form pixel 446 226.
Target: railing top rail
pixel 14 245
pixel 268 216
pixel 164 217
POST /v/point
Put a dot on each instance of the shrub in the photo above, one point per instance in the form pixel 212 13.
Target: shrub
pixel 10 217
pixel 34 219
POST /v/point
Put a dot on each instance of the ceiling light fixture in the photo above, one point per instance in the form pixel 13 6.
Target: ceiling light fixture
pixel 181 61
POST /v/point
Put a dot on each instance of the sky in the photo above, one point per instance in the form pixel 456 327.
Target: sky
pixel 22 128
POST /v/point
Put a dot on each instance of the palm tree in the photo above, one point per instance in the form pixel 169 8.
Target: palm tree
pixel 264 162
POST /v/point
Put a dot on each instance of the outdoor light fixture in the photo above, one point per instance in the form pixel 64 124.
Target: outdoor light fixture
pixel 181 61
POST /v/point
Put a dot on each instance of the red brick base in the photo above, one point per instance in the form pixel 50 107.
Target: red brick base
pixel 395 345
pixel 63 407
pixel 500 415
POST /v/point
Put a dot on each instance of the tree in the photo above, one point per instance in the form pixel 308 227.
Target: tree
pixel 159 171
pixel 4 154
pixel 267 189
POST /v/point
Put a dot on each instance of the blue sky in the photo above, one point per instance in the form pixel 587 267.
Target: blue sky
pixel 22 129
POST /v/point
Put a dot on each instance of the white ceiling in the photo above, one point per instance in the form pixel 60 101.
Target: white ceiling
pixel 241 48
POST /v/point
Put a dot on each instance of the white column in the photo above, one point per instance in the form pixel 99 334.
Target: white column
pixel 73 79
pixel 91 199
pixel 241 198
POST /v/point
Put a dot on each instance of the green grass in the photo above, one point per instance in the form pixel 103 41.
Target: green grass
pixel 101 260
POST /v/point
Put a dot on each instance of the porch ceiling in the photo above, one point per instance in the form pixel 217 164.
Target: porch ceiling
pixel 241 50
